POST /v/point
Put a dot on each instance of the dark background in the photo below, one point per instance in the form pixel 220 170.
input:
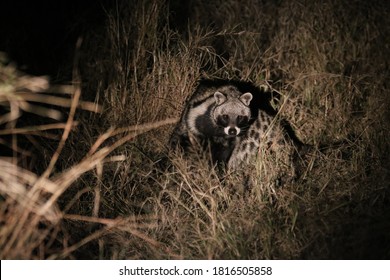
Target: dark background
pixel 40 36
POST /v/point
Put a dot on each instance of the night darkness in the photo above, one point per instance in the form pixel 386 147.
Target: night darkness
pixel 40 36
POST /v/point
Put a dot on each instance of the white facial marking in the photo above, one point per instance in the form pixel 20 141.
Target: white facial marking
pixel 195 112
pixel 226 130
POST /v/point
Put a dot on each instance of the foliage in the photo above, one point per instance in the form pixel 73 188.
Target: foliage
pixel 102 195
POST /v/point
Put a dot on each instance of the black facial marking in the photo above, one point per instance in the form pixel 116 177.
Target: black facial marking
pixel 223 120
pixel 242 120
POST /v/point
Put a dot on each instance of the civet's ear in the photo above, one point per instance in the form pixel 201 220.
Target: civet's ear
pixel 246 98
pixel 219 97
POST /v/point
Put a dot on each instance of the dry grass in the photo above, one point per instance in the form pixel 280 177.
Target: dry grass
pixel 98 193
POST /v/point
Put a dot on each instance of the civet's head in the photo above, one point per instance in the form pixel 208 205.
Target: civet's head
pixel 232 113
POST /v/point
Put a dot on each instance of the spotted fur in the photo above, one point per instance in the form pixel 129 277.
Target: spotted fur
pixel 236 125
pixel 212 120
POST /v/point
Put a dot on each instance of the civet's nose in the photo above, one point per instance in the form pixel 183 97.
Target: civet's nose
pixel 232 131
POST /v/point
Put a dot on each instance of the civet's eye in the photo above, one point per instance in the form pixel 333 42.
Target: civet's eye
pixel 225 117
pixel 242 119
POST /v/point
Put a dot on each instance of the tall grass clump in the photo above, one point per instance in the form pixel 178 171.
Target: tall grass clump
pixel 30 216
pixel 118 194
pixel 324 69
